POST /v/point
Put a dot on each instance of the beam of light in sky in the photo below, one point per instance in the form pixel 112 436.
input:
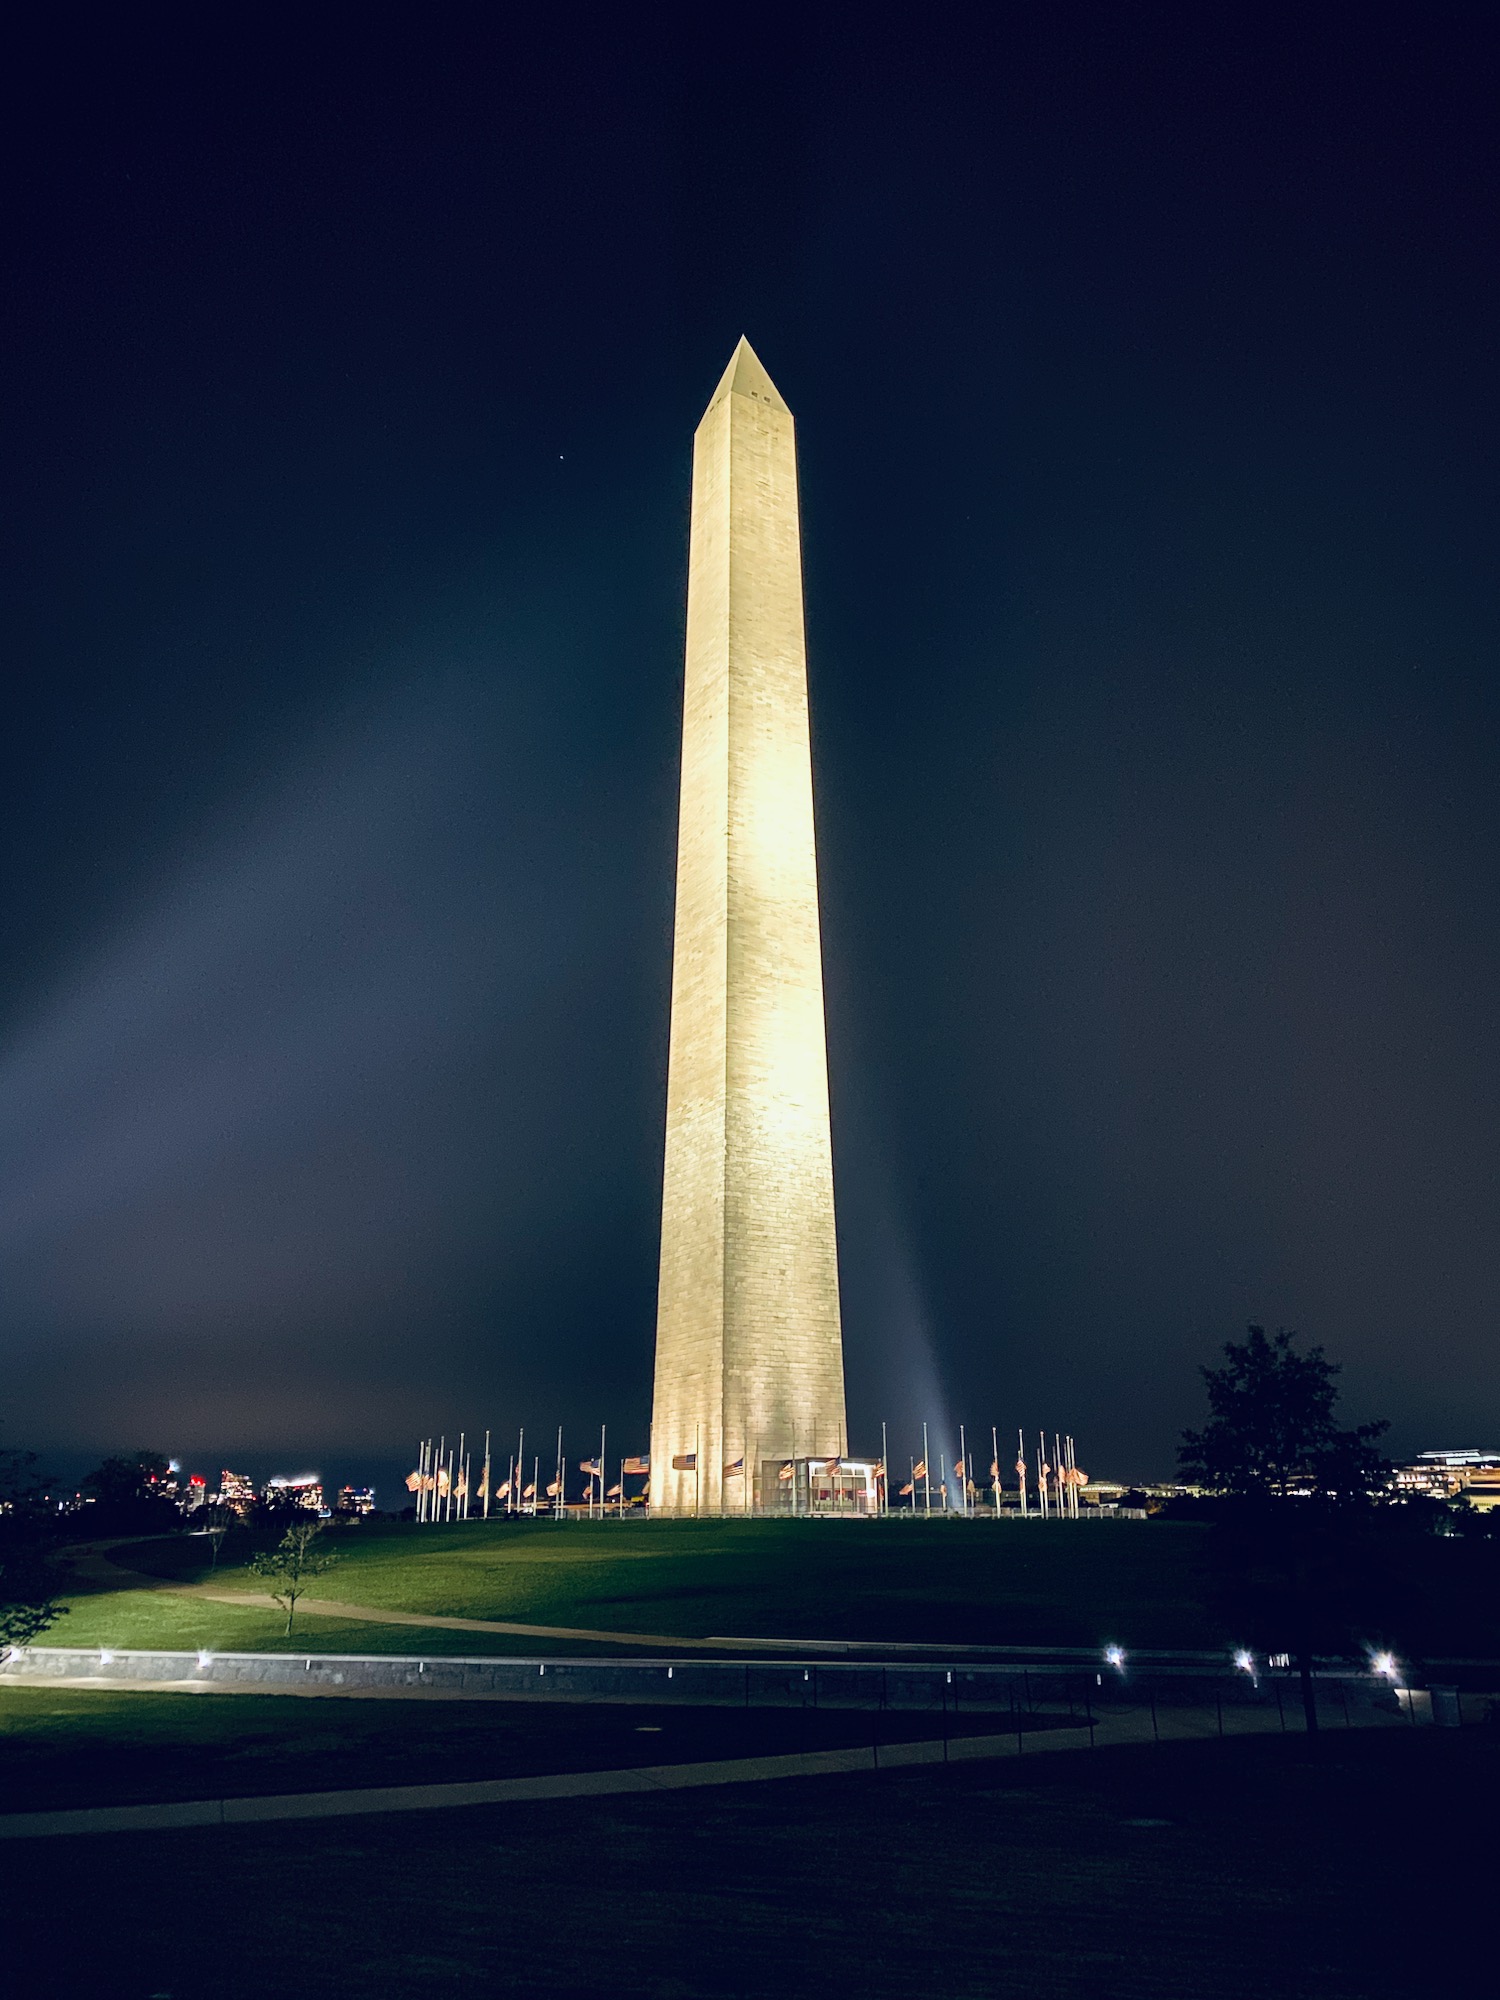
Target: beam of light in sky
pixel 892 1355
pixel 261 1096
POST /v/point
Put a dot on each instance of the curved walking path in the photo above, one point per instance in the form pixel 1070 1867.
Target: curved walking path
pixel 94 1562
pixel 369 1614
pixel 1114 1731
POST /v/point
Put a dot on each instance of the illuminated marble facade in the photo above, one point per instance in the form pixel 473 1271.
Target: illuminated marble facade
pixel 749 1353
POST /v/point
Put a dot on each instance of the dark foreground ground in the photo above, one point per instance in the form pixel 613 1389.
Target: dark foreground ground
pixel 62 1747
pixel 1206 1871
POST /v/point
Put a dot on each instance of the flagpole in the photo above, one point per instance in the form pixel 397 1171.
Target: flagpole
pixel 1021 1468
pixel 885 1474
pixel 557 1498
pixel 995 1466
pixel 602 1509
pixel 697 1472
pixel 963 1479
pixel 926 1478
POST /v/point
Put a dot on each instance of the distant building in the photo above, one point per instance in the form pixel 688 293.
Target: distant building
pixel 1469 1474
pixel 236 1490
pixel 355 1500
pixel 194 1495
pixel 305 1491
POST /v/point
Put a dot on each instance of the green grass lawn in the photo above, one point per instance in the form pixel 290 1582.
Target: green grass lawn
pixel 949 1583
pixel 945 1584
pixel 1190 1872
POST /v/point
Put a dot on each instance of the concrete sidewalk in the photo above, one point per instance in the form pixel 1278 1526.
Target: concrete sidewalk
pixel 1138 1727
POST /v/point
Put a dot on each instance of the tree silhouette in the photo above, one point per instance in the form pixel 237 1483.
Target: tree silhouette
pixel 1294 1552
pixel 1271 1430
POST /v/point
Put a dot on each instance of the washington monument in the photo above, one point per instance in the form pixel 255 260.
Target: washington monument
pixel 749 1353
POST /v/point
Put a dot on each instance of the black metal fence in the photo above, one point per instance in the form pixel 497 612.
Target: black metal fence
pixel 1035 1695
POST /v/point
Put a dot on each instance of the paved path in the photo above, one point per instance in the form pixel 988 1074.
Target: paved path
pixel 1110 1732
pixel 369 1614
pixel 94 1564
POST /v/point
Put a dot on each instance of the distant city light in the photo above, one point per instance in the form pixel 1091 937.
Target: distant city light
pixel 1245 1661
pixel 1115 1656
pixel 1385 1663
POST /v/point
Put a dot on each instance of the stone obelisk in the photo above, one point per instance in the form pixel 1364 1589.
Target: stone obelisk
pixel 749 1353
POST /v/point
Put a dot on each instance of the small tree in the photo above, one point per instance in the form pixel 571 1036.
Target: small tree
pixel 220 1521
pixel 292 1564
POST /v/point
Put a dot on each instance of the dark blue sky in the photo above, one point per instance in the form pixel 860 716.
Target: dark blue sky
pixel 1144 369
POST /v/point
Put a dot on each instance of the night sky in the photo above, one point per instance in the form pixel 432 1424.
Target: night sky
pixel 1144 369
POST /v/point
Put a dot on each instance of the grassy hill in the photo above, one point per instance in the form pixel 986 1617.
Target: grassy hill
pixel 950 1583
